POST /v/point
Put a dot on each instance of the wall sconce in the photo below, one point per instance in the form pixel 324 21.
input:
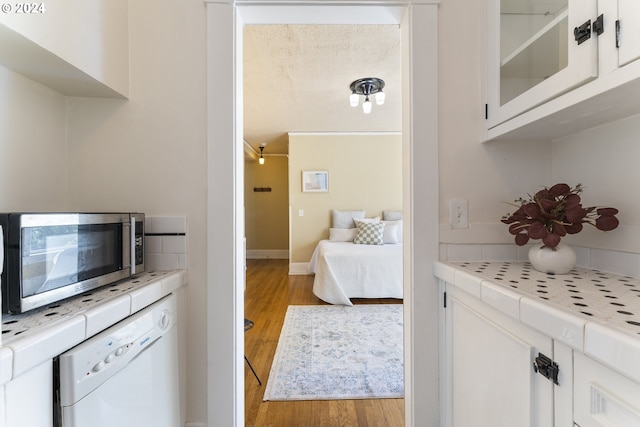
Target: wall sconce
pixel 366 87
pixel 261 159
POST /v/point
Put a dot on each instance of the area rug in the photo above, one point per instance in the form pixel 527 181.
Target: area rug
pixel 338 352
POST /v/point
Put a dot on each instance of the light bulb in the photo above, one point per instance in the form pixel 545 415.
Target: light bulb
pixel 366 106
pixel 261 160
pixel 380 98
pixel 354 99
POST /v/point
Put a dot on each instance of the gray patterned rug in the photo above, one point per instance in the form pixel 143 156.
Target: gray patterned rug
pixel 338 352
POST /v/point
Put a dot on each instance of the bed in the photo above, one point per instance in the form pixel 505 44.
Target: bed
pixel 345 270
pixel 361 259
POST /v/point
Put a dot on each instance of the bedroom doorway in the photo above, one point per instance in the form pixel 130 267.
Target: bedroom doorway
pixel 279 61
pixel 296 103
pixel 419 24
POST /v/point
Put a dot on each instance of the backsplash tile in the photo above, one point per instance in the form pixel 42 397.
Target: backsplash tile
pixel 166 242
pixel 617 262
pixel 499 252
pixel 456 252
pixel 163 262
pixel 174 244
pixel 153 244
pixel 624 263
pixel 583 256
pixel 166 224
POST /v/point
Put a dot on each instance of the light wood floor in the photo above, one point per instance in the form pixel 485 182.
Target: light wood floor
pixel 270 290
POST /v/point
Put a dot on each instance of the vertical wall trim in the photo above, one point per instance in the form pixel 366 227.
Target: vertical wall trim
pixel 420 90
pixel 225 345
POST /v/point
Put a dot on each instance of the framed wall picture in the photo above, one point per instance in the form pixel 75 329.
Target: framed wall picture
pixel 315 181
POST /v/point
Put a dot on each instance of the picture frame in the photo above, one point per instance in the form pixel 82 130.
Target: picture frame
pixel 315 181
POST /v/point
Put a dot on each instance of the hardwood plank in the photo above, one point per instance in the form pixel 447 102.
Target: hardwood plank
pixel 270 290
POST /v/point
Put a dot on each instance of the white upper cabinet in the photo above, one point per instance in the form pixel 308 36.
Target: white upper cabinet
pixel 627 29
pixel 558 66
pixel 534 55
pixel 76 47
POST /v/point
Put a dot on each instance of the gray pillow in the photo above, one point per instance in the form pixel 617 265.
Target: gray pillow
pixel 344 219
pixel 391 215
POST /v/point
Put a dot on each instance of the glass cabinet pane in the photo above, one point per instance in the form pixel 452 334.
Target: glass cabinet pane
pixel 533 44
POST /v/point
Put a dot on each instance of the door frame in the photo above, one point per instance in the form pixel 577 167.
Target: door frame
pixel 225 192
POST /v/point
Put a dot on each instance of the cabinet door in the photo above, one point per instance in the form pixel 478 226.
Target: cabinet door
pixel 533 55
pixel 29 398
pixel 604 397
pixel 489 378
pixel 629 39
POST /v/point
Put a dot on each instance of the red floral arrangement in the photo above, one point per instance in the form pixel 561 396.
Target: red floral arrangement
pixel 554 212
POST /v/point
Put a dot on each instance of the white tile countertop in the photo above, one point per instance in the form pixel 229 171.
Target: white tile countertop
pixel 31 338
pixel 595 312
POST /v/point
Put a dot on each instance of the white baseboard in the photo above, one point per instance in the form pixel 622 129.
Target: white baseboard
pixel 267 253
pixel 298 268
pixel 195 425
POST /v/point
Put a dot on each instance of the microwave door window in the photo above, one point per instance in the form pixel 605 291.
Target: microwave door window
pixel 57 256
pixel 99 250
pixel 49 258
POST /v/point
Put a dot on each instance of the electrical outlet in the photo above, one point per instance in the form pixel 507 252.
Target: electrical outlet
pixel 300 212
pixel 459 213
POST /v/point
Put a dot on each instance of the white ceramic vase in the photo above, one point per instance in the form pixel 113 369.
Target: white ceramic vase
pixel 560 260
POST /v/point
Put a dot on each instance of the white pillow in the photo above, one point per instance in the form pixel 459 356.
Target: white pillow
pixel 374 220
pixel 370 233
pixel 391 215
pixel 342 234
pixel 344 219
pixel 390 232
pixel 398 228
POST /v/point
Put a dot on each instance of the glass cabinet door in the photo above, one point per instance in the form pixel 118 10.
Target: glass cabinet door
pixel 534 55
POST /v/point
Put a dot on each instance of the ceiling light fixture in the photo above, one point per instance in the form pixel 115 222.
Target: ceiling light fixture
pixel 366 87
pixel 261 159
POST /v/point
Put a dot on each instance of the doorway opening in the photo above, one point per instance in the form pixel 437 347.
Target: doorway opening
pixel 225 275
pixel 297 77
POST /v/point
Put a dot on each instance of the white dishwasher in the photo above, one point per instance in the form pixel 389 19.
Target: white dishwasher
pixel 125 376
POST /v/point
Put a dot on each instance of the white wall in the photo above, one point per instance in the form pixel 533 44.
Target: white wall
pixel 488 174
pixel 365 172
pixel 33 161
pixel 484 174
pixel 605 161
pixel 149 153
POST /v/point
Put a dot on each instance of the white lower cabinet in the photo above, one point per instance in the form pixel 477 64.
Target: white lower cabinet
pixel 489 375
pixel 3 422
pixel 604 397
pixel 489 379
pixel 28 399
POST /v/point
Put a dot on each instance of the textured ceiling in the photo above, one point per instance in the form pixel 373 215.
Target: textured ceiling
pixel 297 77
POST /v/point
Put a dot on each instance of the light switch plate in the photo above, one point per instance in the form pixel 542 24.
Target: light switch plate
pixel 459 213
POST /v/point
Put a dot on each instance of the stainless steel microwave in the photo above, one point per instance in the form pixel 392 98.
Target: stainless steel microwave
pixel 52 256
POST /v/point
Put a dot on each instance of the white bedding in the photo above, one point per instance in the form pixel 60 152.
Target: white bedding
pixel 345 270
